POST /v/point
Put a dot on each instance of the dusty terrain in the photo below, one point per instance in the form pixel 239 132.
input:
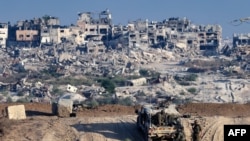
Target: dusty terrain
pixel 114 122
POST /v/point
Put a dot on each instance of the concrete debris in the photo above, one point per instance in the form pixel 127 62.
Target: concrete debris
pixel 137 82
pixel 71 88
pixel 144 59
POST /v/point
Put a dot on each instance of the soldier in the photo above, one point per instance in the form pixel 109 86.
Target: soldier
pixel 161 117
pixel 196 131
pixel 180 136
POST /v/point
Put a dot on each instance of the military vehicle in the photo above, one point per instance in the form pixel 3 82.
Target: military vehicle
pixel 158 123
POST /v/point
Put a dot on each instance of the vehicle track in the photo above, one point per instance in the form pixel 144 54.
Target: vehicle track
pixel 208 125
pixel 215 128
pixel 112 128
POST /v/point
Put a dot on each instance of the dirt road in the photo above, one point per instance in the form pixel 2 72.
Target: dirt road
pixel 212 127
pixel 122 128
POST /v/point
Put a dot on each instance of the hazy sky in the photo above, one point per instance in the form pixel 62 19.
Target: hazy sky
pixel 198 11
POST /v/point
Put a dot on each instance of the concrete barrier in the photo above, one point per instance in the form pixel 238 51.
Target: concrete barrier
pixel 64 107
pixel 16 112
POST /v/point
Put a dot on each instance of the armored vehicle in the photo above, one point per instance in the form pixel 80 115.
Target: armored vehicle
pixel 159 123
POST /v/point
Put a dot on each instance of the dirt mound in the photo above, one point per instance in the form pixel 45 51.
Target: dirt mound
pixel 107 110
pixel 92 137
pixel 31 108
pixel 37 129
pixel 44 109
pixel 213 109
pixel 197 109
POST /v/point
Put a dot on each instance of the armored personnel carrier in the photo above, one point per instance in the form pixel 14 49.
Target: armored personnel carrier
pixel 159 123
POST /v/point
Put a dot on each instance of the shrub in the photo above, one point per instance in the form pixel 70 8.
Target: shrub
pixel 144 72
pixel 148 73
pixel 158 92
pixel 56 91
pixel 141 93
pixel 183 83
pixel 108 85
pixel 125 101
pixel 192 90
pixel 93 103
pixel 73 81
pixel 22 100
pixel 106 100
pixel 5 93
pixel 182 93
pixel 9 100
pixel 20 93
pixel 192 77
pixel 119 81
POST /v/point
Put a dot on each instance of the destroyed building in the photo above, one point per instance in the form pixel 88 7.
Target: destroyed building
pixel 210 37
pixel 95 47
pixel 49 35
pixel 138 35
pixel 241 40
pixel 94 32
pixel 241 45
pixel 170 33
pixel 28 32
pixel 92 26
pixel 3 34
pixel 49 30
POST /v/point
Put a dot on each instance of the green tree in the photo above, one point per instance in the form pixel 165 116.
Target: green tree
pixel 108 85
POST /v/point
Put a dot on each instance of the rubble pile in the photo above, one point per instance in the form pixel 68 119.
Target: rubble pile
pixel 135 61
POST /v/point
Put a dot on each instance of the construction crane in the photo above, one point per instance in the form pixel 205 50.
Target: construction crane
pixel 240 21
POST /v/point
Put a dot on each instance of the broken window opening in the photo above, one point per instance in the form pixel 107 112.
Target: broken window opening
pixel 132 36
pixel 91 50
pixel 190 42
pixel 103 31
pixel 207 47
pixel 160 38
